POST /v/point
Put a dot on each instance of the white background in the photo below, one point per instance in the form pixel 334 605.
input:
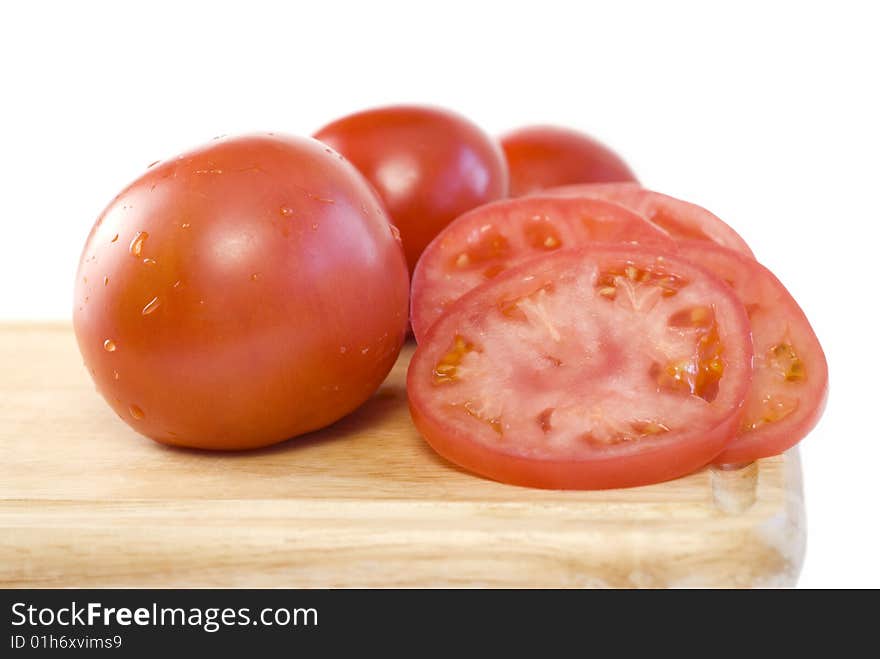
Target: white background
pixel 767 113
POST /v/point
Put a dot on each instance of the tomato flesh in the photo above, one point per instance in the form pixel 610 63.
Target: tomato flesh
pixel 541 157
pixel 240 294
pixel 683 220
pixel 488 240
pixel 790 381
pixel 598 367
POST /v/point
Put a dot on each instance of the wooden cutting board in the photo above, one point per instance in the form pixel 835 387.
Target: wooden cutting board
pixel 85 501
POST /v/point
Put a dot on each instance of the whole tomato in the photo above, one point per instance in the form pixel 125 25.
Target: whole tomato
pixel 240 294
pixel 541 157
pixel 428 165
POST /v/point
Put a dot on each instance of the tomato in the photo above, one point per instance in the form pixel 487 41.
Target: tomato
pixel 541 157
pixel 490 239
pixel 428 165
pixel 790 382
pixel 597 367
pixel 240 294
pixel 683 220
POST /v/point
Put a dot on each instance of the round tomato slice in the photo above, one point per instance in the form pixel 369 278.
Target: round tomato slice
pixel 484 242
pixel 597 367
pixel 790 381
pixel 683 220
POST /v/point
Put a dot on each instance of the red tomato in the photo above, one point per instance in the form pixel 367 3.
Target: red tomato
pixel 790 383
pixel 541 157
pixel 240 294
pixel 683 220
pixel 598 367
pixel 490 239
pixel 428 165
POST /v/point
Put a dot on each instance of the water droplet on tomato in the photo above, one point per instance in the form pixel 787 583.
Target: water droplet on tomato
pixel 149 261
pixel 176 284
pixel 109 346
pixel 137 243
pixel 255 276
pixel 343 349
pixel 115 375
pixel 185 225
pixel 323 200
pixel 136 412
pixel 395 232
pixel 151 306
pixel 314 227
pixel 286 211
pixel 106 280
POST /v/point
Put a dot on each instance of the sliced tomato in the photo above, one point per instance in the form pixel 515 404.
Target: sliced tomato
pixel 790 382
pixel 683 220
pixel 598 367
pixel 488 240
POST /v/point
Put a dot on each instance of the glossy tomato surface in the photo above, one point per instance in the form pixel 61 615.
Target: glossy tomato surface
pixel 790 382
pixel 240 294
pixel 541 157
pixel 428 165
pixel 599 367
pixel 683 220
pixel 488 240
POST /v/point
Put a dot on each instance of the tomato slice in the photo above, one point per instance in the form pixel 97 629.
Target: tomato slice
pixel 484 242
pixel 595 367
pixel 790 383
pixel 683 220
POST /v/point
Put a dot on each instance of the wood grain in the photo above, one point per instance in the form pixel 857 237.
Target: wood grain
pixel 85 501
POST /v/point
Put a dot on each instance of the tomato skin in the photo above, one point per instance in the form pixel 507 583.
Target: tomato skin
pixel 775 318
pixel 682 219
pixel 541 157
pixel 246 292
pixel 625 465
pixel 428 165
pixel 438 279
